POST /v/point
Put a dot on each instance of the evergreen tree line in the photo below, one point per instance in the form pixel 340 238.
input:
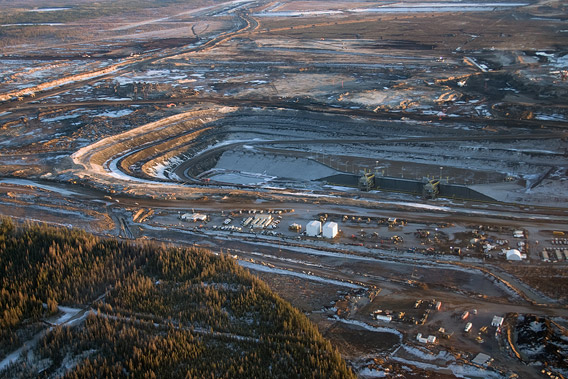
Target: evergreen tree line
pixel 166 311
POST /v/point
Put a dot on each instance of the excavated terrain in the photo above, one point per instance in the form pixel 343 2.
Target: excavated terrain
pixel 131 121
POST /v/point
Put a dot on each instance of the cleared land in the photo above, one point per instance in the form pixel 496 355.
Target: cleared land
pixel 121 117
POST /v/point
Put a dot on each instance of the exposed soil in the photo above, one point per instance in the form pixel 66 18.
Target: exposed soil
pixel 126 121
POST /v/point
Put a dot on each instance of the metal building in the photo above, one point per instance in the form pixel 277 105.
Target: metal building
pixel 313 228
pixel 330 229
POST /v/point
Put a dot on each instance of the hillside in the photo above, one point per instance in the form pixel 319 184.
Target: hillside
pixel 144 310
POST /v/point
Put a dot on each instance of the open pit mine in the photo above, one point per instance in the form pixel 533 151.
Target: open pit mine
pixel 397 171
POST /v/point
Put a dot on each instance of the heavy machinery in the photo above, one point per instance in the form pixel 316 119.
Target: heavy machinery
pixel 431 189
pixel 367 181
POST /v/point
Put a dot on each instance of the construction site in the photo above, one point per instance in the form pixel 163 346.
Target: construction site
pixel 367 160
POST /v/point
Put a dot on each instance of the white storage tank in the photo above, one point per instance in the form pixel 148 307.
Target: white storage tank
pixel 330 229
pixel 313 228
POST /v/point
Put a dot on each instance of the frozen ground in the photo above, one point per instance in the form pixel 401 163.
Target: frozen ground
pixel 241 177
pixel 267 165
pixel 315 278
pixel 550 192
pixel 29 183
pixel 430 7
pixel 466 98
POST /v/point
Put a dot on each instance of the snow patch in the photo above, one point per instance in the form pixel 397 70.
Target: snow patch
pixel 278 271
pixel 364 325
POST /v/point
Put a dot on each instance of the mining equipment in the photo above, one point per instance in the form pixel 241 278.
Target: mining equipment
pixel 367 181
pixel 431 190
pixel 295 227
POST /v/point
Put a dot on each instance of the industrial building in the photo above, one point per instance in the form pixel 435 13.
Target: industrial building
pixel 497 321
pixel 385 318
pixel 429 339
pixel 513 255
pixel 330 229
pixel 482 359
pixel 313 228
pixel 193 217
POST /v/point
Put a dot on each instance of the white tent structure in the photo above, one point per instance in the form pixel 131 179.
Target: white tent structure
pixel 513 255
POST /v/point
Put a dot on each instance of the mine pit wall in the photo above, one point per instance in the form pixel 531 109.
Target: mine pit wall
pixel 174 131
pixel 182 152
pixel 184 146
pixel 92 153
pixel 178 148
pixel 409 186
pixel 204 164
pixel 149 157
pixel 101 157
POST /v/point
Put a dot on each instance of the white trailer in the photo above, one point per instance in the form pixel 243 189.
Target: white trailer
pixel 385 318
